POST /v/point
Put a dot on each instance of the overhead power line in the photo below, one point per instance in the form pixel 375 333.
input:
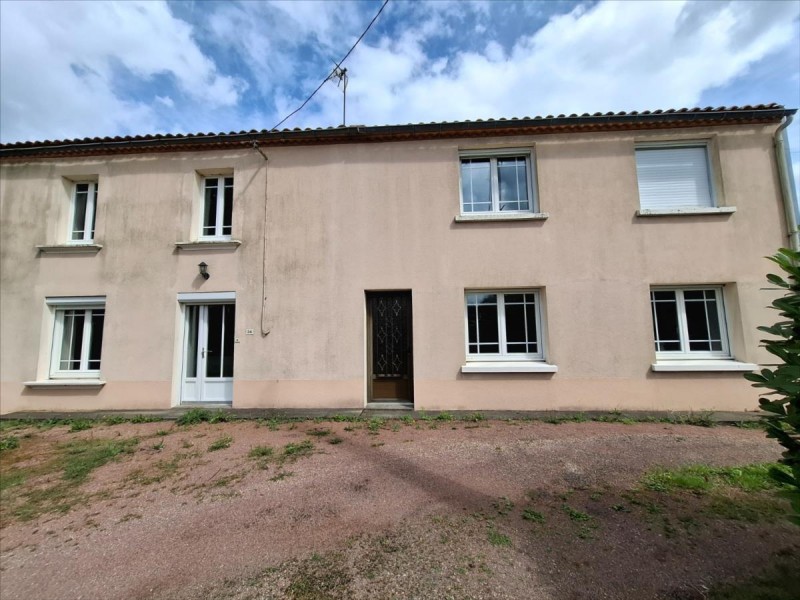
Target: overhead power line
pixel 334 70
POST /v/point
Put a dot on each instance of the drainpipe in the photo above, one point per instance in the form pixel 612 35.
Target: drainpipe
pixel 265 326
pixel 788 190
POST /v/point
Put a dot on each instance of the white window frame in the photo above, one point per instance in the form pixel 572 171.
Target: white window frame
pixel 712 191
pixel 59 306
pixel 219 217
pixel 494 179
pixel 89 218
pixel 683 327
pixel 504 355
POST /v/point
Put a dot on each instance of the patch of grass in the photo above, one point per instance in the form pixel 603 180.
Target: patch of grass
pixel 221 443
pixel 749 424
pixel 702 419
pixel 444 416
pixel 575 515
pixel 260 452
pixel 345 418
pixel 532 515
pixel 407 420
pixel 9 443
pixel 281 475
pixel 335 440
pixel 145 419
pixel 292 451
pixel 221 416
pixel 113 420
pixel 558 420
pixel 76 460
pixel 475 417
pixel 162 432
pixel 503 506
pixel 194 416
pixel 12 478
pixel 319 432
pixel 780 581
pixel 704 478
pixel 79 425
pixel 374 425
pixel 159 445
pixel 318 578
pixel 497 539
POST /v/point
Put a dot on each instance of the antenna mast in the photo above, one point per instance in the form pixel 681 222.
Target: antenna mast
pixel 341 74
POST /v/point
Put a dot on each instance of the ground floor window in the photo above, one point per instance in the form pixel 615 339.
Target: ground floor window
pixel 689 322
pixel 504 325
pixel 77 336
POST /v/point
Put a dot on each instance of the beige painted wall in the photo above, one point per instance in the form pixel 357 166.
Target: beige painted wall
pixel 343 219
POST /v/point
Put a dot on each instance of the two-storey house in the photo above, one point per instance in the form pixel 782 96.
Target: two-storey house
pixel 588 262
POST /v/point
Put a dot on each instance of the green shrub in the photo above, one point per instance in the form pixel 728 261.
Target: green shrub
pixel 194 416
pixel 9 443
pixel 782 402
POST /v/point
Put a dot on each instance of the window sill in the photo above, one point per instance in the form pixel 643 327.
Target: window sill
pixel 673 212
pixel 508 367
pixel 73 384
pixel 200 245
pixel 471 218
pixel 70 249
pixel 702 365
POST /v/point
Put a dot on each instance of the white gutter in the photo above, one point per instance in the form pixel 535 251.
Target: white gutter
pixel 788 189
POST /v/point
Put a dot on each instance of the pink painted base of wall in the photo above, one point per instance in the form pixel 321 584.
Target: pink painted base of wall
pixel 668 392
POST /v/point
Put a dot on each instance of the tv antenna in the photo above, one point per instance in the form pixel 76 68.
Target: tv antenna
pixel 341 74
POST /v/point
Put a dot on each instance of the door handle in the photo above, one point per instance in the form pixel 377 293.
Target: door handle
pixel 203 353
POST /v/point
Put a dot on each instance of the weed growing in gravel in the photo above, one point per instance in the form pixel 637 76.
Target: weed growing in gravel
pixel 79 425
pixel 475 417
pixel 193 416
pixel 374 425
pixel 260 452
pixel 498 539
pixel 319 432
pixel 221 443
pixel 575 515
pixel 532 515
pixel 113 420
pixel 159 445
pixel 503 506
pixel 407 420
pixel 293 451
pixel 9 443
pixel 281 475
pixel 335 440
pixel 444 416
pixel 162 432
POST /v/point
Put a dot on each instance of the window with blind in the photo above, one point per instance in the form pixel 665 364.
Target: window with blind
pixel 674 177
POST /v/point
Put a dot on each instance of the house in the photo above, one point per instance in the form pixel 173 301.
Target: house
pixel 593 262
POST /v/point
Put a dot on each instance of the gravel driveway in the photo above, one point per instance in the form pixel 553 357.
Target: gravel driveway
pixel 414 509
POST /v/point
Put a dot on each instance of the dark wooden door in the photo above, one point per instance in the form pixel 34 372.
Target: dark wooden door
pixel 390 351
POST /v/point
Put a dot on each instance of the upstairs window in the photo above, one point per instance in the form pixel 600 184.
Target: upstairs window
pixel 217 208
pixel 674 178
pixel 689 323
pixel 496 182
pixel 84 204
pixel 504 326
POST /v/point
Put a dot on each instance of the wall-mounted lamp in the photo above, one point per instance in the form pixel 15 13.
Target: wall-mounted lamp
pixel 203 270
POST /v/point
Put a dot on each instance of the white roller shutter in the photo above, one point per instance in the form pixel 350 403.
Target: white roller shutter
pixel 673 178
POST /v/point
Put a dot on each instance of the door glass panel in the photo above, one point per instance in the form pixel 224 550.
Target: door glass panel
pixel 697 324
pixel 228 337
pixel 214 342
pixel 94 213
pixel 191 340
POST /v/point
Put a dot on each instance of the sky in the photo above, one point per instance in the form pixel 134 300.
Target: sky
pixel 85 69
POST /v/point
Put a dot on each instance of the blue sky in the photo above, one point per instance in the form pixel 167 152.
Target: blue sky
pixel 72 70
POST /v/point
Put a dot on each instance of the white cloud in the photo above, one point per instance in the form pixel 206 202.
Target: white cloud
pixel 612 56
pixel 60 62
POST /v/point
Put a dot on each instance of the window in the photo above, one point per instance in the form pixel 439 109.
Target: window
pixel 496 182
pixel 673 178
pixel 84 204
pixel 689 323
pixel 77 337
pixel 217 207
pixel 504 326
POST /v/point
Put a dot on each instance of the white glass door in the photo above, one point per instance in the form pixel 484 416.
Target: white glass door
pixel 208 353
